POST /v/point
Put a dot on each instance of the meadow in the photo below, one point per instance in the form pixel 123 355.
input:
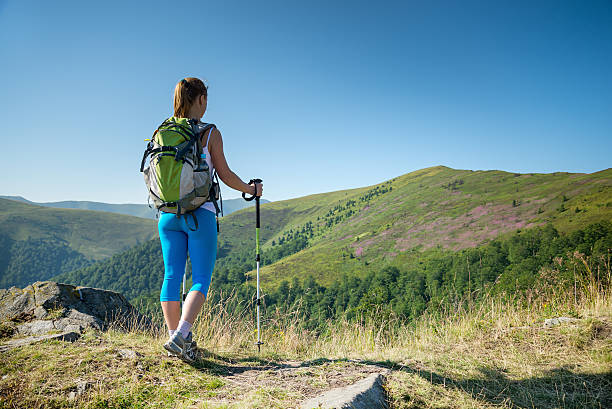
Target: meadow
pixel 496 353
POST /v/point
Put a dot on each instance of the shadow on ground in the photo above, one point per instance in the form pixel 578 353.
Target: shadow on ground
pixel 559 387
pixel 219 365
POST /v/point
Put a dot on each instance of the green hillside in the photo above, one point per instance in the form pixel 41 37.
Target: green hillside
pixel 346 231
pixel 422 218
pixel 38 242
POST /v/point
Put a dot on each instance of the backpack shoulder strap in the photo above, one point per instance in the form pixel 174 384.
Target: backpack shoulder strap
pixel 206 127
pixel 208 139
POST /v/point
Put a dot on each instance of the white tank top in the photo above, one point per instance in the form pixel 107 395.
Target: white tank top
pixel 208 205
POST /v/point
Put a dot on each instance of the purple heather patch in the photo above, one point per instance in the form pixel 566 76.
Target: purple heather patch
pixel 479 211
pixel 481 223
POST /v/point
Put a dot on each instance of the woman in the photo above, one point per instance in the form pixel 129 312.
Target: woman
pixel 177 239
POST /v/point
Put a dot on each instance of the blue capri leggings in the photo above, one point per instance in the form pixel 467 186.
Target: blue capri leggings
pixel 176 239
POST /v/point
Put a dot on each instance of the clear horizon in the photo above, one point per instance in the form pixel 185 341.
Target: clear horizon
pixel 311 98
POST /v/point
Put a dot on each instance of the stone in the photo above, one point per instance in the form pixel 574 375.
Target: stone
pixel 551 322
pixel 35 327
pixel 72 328
pixel 40 312
pixel 14 302
pixel 45 306
pixel 128 353
pixel 81 388
pixel 64 336
pixel 365 394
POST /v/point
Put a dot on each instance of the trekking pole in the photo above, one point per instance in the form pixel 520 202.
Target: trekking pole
pixel 255 181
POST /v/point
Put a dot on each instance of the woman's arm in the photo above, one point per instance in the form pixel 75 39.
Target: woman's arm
pixel 228 177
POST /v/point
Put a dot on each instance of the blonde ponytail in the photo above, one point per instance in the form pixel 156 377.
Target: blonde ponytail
pixel 185 94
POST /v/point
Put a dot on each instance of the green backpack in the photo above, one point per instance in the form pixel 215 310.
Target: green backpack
pixel 177 176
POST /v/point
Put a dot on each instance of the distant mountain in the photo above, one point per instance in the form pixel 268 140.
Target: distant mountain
pixel 138 210
pixel 38 242
pixel 357 231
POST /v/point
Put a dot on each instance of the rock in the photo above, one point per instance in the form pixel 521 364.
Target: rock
pixel 72 328
pixel 40 313
pixel 45 306
pixel 14 301
pixel 551 322
pixel 36 327
pixel 64 336
pixel 80 389
pixel 128 353
pixel 365 394
pixel 80 319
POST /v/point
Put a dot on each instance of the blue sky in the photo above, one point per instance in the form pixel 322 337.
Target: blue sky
pixel 309 96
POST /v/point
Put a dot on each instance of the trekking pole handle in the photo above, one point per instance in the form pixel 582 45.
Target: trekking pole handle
pixel 255 194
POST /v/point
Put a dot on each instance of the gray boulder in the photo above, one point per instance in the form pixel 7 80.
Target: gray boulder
pixel 48 306
pixel 368 393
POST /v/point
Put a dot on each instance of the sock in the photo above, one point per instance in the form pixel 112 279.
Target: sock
pixel 171 332
pixel 184 327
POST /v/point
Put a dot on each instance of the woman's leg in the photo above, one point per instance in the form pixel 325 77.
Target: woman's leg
pixel 191 308
pixel 172 313
pixel 174 250
pixel 203 253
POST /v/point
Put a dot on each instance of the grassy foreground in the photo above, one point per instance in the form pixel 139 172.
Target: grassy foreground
pixel 496 354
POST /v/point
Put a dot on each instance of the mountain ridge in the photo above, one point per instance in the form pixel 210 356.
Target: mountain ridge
pixel 129 209
pixel 38 242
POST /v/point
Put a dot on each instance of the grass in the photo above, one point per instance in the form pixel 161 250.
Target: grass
pixel 494 354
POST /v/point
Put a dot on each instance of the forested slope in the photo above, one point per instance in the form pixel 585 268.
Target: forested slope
pixel 37 243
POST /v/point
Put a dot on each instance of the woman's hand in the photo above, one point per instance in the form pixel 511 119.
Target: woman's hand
pixel 258 187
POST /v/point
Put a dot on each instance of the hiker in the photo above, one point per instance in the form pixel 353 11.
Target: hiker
pixel 178 236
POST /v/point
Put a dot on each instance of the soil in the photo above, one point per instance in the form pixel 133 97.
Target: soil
pixel 299 381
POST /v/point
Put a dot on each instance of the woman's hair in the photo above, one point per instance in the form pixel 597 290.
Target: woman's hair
pixel 185 94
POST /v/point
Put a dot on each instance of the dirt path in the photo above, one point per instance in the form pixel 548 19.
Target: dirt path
pixel 282 383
